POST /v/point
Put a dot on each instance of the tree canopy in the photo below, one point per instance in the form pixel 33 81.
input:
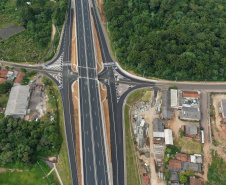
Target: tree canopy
pixel 176 39
pixel 21 140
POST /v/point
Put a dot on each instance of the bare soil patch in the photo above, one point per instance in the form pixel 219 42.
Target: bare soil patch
pixel 75 98
pixel 97 48
pixel 103 92
pixel 10 30
pixel 74 61
pixel 53 31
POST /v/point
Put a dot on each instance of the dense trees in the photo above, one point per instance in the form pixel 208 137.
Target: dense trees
pixel 183 39
pixel 5 87
pixel 21 141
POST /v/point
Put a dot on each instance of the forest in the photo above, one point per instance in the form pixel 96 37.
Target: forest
pixel 169 39
pixel 23 141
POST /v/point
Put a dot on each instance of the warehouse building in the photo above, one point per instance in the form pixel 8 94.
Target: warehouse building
pixel 18 101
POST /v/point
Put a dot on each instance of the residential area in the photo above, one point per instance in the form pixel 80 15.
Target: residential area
pixel 169 138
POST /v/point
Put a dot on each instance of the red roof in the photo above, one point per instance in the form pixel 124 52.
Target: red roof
pixel 2 80
pixel 187 94
pixel 174 163
pixel 183 157
pixel 19 77
pixel 3 73
pixel 195 181
pixel 146 178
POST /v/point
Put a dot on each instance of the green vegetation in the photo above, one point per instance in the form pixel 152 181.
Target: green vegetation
pixel 139 95
pixel 63 163
pixel 217 170
pixel 189 146
pixel 5 87
pixel 32 44
pixel 177 39
pixel 131 167
pixel 3 99
pixel 30 175
pixel 173 87
pixel 28 76
pixel 183 178
pixel 189 173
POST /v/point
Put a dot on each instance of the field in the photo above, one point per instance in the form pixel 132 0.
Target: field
pixel 139 95
pixel 29 176
pixel 189 146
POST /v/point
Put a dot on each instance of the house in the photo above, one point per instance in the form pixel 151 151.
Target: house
pixel 167 111
pixel 190 130
pixel 168 136
pixel 190 113
pixel 195 181
pixel 174 178
pixel 145 178
pixel 223 105
pixel 18 101
pixel 182 157
pixel 3 73
pixel 19 77
pixel 192 166
pixel 2 80
pixel 11 75
pixel 190 94
pixel 174 165
pixel 196 158
pixel 158 128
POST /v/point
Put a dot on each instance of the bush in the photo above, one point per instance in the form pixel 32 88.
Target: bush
pixel 173 149
pixel 189 173
pixel 5 87
pixel 23 70
pixel 183 178
pixel 182 133
pixel 173 87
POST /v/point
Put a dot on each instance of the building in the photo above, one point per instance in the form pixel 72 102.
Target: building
pixel 190 130
pixel 2 80
pixel 18 101
pixel 195 181
pixel 174 178
pixel 182 157
pixel 223 105
pixel 173 98
pixel 174 165
pixel 192 166
pixel 168 136
pixel 11 75
pixel 158 128
pixel 167 111
pixel 196 158
pixel 190 94
pixel 3 73
pixel 19 77
pixel 190 113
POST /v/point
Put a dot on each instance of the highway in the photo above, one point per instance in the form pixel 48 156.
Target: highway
pixel 94 159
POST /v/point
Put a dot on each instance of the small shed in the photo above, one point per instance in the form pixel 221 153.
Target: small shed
pixel 191 130
pixel 168 137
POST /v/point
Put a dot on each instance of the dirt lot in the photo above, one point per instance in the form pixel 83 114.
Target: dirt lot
pixel 97 49
pixel 218 128
pixel 103 92
pixel 75 97
pixel 74 61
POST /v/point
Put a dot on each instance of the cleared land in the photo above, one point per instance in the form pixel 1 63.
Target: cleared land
pixel 75 98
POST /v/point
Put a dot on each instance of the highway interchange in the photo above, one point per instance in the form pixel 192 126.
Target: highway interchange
pixel 94 158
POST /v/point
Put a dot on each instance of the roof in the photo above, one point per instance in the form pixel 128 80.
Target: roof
pixel 196 158
pixel 168 137
pixel 167 111
pixel 159 134
pixel 3 73
pixel 173 96
pixel 174 164
pixel 224 107
pixel 174 176
pixel 189 129
pixel 190 94
pixel 192 166
pixel 17 103
pixel 195 181
pixel 19 77
pixel 158 125
pixel 192 113
pixel 182 157
pixel 2 80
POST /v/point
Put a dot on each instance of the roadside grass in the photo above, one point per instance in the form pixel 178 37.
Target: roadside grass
pixel 31 175
pixel 217 170
pixel 63 164
pixel 189 146
pixel 131 167
pixel 3 99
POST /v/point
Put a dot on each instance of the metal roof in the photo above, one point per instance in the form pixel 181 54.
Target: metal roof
pixel 17 103
pixel 189 129
pixel 173 96
pixel 167 111
pixel 168 137
pixel 158 125
pixel 192 113
pixel 224 107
